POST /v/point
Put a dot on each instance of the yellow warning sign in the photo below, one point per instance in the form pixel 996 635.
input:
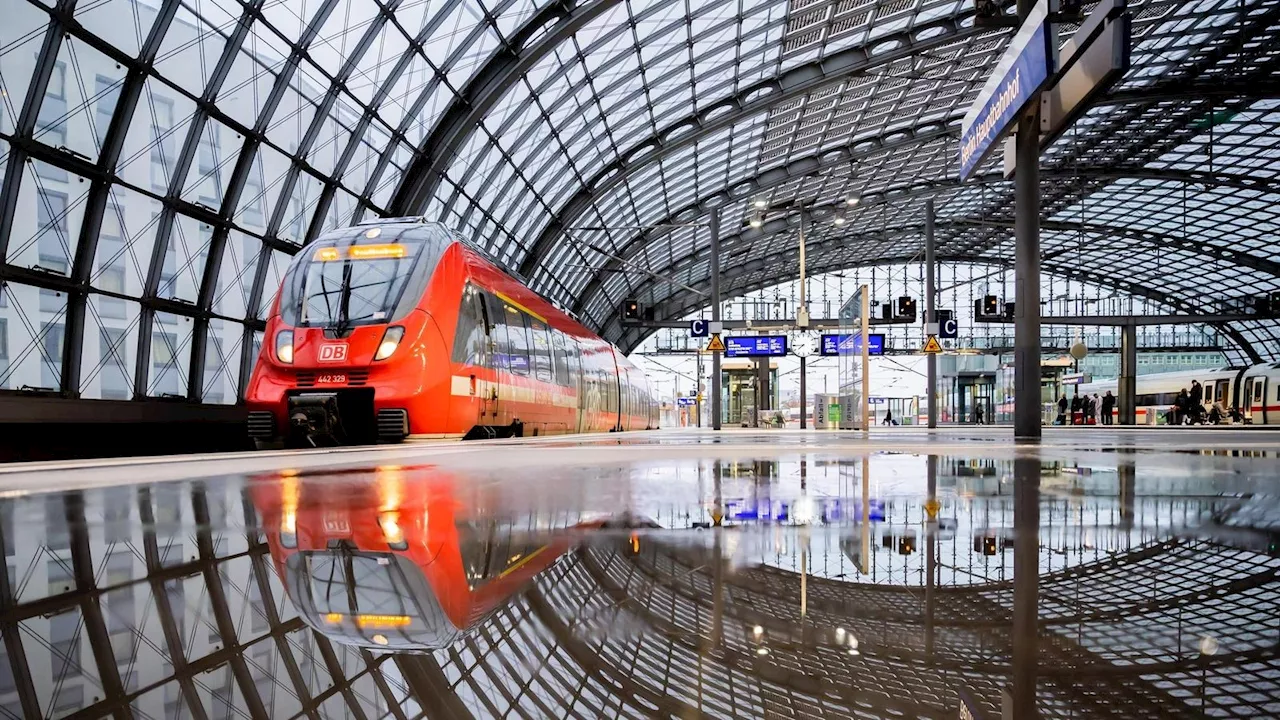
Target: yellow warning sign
pixel 716 345
pixel 932 345
pixel 931 508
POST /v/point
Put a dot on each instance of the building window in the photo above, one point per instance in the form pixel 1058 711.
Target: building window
pixel 253 203
pixel 210 177
pixel 110 260
pixel 163 153
pixel 51 219
pixel 164 350
pixel 107 94
pixel 4 353
pixel 51 367
pixel 115 358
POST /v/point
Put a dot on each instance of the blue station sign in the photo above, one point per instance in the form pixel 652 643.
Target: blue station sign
pixel 1018 78
pixel 851 344
pixel 755 346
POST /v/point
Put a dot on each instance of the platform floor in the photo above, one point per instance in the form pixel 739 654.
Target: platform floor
pixel 685 573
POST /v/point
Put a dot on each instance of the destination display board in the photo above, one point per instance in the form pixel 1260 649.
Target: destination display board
pixel 851 344
pixel 755 346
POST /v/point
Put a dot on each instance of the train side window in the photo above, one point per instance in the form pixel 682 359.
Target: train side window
pixel 1257 391
pixel 518 340
pixel 561 358
pixel 500 356
pixel 470 338
pixel 540 350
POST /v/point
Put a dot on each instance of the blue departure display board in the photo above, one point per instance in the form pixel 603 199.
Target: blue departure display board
pixel 756 346
pixel 851 344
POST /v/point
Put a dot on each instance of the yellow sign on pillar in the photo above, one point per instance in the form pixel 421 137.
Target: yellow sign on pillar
pixel 932 346
pixel 931 508
pixel 716 344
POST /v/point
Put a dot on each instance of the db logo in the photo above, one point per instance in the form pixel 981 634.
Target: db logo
pixel 333 352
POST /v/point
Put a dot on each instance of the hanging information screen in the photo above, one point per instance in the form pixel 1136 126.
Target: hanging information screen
pixel 756 346
pixel 851 344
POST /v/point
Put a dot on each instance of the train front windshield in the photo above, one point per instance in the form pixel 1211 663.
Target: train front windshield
pixel 357 594
pixel 352 279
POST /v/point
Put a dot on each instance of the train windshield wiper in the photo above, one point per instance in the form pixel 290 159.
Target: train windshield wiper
pixel 344 300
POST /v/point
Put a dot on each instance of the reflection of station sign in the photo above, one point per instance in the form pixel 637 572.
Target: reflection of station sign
pixel 851 344
pixel 825 510
pixel 756 346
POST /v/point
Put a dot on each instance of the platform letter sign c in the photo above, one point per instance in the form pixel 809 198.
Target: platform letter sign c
pixel 698 328
pixel 333 352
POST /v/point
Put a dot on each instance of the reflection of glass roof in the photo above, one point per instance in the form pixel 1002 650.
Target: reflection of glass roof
pixel 163 160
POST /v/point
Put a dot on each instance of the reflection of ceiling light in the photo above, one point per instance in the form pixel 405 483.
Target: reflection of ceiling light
pixel 760 203
pixel 380 639
pixel 839 220
pixel 839 633
pixel 762 651
pixel 757 631
pixel 851 200
pixel 854 652
pixel 756 220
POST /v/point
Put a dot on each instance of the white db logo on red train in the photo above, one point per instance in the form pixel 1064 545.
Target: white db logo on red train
pixel 333 352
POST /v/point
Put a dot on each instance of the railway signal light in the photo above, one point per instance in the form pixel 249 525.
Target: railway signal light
pixel 906 309
pixel 630 310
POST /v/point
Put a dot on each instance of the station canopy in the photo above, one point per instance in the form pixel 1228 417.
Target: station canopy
pixel 163 159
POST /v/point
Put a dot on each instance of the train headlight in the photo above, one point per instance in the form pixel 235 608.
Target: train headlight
pixel 390 341
pixel 289 529
pixel 392 532
pixel 284 346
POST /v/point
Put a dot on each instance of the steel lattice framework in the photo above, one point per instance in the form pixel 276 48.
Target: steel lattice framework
pixel 163 159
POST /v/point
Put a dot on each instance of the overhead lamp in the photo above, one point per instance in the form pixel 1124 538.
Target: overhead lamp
pixel 757 220
pixel 851 200
pixel 761 203
pixel 839 220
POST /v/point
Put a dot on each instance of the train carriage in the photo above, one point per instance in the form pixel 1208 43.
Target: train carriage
pixel 399 329
pixel 1254 391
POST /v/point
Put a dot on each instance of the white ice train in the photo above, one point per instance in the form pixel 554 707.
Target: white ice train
pixel 1255 390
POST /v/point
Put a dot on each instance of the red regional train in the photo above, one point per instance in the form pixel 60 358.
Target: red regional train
pixel 394 559
pixel 399 328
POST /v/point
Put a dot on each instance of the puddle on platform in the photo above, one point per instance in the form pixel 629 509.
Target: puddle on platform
pixel 890 585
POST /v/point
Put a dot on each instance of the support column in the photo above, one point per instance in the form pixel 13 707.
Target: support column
pixel 1026 333
pixel 930 313
pixel 713 223
pixel 804 403
pixel 1128 398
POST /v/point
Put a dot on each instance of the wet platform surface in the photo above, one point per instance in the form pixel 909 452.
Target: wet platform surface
pixel 1101 573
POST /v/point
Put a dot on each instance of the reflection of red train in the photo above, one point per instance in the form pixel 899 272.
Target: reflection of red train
pixel 392 559
pixel 398 328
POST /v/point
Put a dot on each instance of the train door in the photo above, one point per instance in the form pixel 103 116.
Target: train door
pixel 577 381
pixel 499 359
pixel 1254 400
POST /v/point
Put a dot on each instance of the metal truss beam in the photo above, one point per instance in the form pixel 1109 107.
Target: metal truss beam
pixel 748 101
pixel 537 38
pixel 805 167
pixel 592 664
pixel 794 170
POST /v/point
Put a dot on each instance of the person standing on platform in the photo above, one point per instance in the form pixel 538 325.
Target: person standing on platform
pixel 1076 406
pixel 1181 405
pixel 1108 405
pixel 1062 409
pixel 888 418
pixel 1196 407
pixel 1093 408
pixel 977 414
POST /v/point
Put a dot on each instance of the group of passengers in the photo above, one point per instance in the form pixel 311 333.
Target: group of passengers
pixel 1084 410
pixel 1188 409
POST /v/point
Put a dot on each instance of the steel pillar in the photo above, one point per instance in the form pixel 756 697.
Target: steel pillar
pixel 930 313
pixel 713 223
pixel 804 403
pixel 1026 353
pixel 1128 398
